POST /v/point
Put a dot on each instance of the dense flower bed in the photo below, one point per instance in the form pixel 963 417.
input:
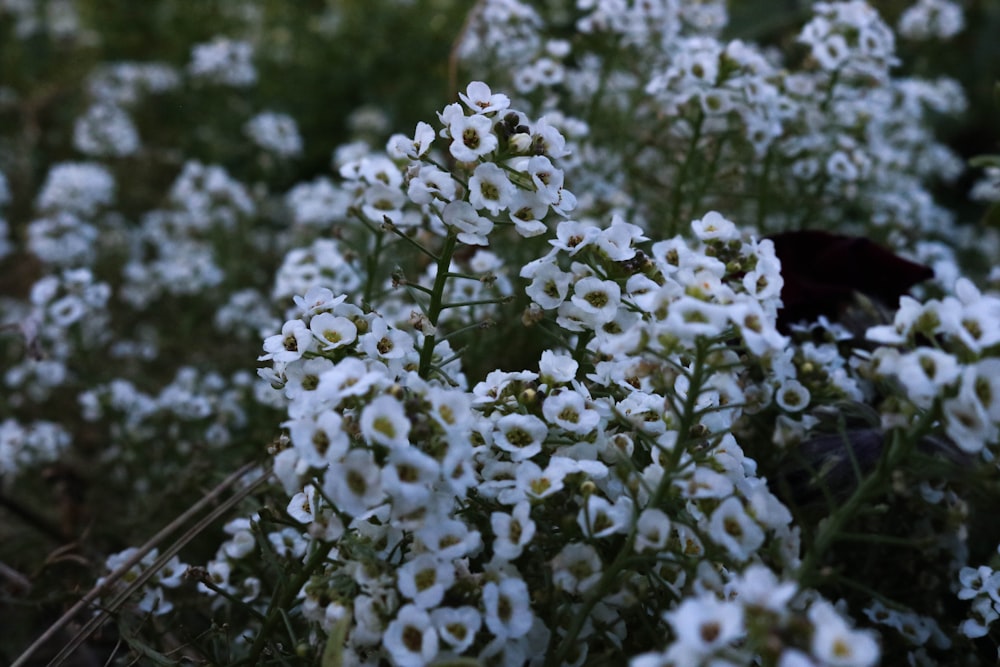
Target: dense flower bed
pixel 651 346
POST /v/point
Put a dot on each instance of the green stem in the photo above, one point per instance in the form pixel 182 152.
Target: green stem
pixel 371 268
pixel 762 183
pixel 479 302
pixel 285 599
pixel 401 234
pixel 437 304
pixel 831 530
pixel 625 556
pixel 675 211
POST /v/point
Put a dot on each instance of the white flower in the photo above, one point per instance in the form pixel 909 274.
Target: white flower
pixel 549 284
pixel 597 298
pixel 319 440
pixel 384 421
pixel 431 186
pixel 401 146
pixel 481 100
pixel 472 228
pixel 490 188
pixel 449 538
pixel 548 140
pixel 105 130
pixel 512 531
pixel 689 318
pixel 332 331
pixel 275 132
pixel 834 643
pixel 520 435
pixel 599 518
pixel 350 377
pixel 982 615
pixel 527 211
pixel 223 61
pixel 316 300
pixel 302 506
pixel 77 187
pixel 706 624
pixel 831 52
pixel 408 477
pixel 941 19
pixel 451 409
pixel 576 568
pixel 288 346
pixel 792 396
pixel 759 586
pixel 966 421
pixel 759 331
pixel 354 484
pixel 382 203
pixel 471 138
pixel 457 626
pixel 714 227
pixel 974 580
pixel 568 410
pixel 383 342
pixel 533 483
pixel 508 608
pixel 547 179
pixel 425 580
pixel 557 367
pixel 703 482
pixel 617 241
pixel 652 530
pixel 732 528
pixel 410 638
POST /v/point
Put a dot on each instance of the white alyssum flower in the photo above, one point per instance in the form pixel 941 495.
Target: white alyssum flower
pixel 508 608
pixel 275 132
pixel 521 436
pixel 597 299
pixel 792 396
pixel 652 530
pixel 410 638
pixel 490 189
pixel 320 439
pixel 76 187
pixel 576 568
pixel 835 643
pixel 105 130
pixel 731 527
pixel 512 531
pixel 355 483
pixel 457 626
pixel 472 228
pixel 400 146
pixel 384 421
pixel 424 580
pixel 481 100
pixel 569 411
pixel 224 61
pixel 333 331
pixel 293 341
pixel 706 624
pixel 471 137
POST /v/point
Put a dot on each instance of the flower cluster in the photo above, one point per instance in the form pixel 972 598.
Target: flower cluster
pixel 957 374
pixel 531 376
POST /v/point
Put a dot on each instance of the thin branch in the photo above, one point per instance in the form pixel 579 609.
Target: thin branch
pixel 141 553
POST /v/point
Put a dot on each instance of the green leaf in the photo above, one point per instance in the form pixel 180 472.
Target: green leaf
pixel 985 161
pixel 333 652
